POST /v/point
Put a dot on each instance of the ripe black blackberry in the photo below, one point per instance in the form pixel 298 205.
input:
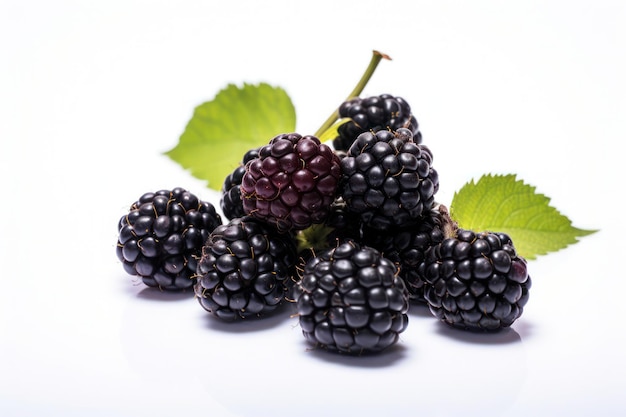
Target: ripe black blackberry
pixel 351 300
pixel 476 281
pixel 388 179
pixel 292 183
pixel 245 270
pixel 230 203
pixel 162 234
pixel 407 247
pixel 374 113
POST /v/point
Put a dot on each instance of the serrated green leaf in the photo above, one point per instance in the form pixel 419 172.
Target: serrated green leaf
pixel 501 203
pixel 223 129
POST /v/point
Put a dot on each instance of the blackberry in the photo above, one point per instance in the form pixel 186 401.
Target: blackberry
pixel 476 281
pixel 292 183
pixel 372 114
pixel 388 179
pixel 245 270
pixel 407 247
pixel 351 300
pixel 162 234
pixel 230 203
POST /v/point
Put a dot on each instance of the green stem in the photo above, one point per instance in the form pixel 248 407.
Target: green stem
pixel 369 71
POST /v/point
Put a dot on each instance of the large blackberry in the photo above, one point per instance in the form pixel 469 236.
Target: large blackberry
pixel 372 114
pixel 351 300
pixel 388 179
pixel 476 281
pixel 161 236
pixel 407 247
pixel 245 270
pixel 292 183
pixel 230 203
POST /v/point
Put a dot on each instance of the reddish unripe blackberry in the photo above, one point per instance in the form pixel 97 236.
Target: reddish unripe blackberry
pixel 292 183
pixel 388 179
pixel 246 269
pixel 161 236
pixel 230 203
pixel 383 112
pixel 476 281
pixel 350 299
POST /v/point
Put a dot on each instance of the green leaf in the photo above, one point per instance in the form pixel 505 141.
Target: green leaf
pixel 501 203
pixel 223 129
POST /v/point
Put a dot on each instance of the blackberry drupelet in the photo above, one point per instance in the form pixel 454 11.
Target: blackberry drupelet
pixel 372 114
pixel 246 269
pixel 292 183
pixel 476 281
pixel 388 179
pixel 230 203
pixel 162 234
pixel 407 247
pixel 351 300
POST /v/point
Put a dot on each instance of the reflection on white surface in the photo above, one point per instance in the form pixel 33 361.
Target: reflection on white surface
pixel 265 366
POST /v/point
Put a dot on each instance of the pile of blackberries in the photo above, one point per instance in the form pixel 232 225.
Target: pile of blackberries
pixel 350 233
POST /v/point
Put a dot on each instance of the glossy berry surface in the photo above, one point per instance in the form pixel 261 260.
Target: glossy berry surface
pixel 161 236
pixel 407 248
pixel 351 300
pixel 292 183
pixel 388 179
pixel 230 202
pixel 476 281
pixel 245 270
pixel 382 112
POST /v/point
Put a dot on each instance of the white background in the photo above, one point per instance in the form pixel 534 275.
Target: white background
pixel 92 93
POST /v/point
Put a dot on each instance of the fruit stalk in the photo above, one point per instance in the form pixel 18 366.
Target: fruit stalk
pixel 369 71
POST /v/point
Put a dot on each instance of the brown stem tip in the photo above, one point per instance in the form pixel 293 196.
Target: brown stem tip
pixel 384 56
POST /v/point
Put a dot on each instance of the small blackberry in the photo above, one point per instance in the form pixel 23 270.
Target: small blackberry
pixel 245 270
pixel 161 235
pixel 230 203
pixel 407 247
pixel 351 300
pixel 292 183
pixel 476 281
pixel 388 179
pixel 372 114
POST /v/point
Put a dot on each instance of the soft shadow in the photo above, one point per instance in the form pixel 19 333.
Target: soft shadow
pixel 524 328
pixel 387 357
pixel 502 337
pixel 156 294
pixel 249 324
pixel 418 309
